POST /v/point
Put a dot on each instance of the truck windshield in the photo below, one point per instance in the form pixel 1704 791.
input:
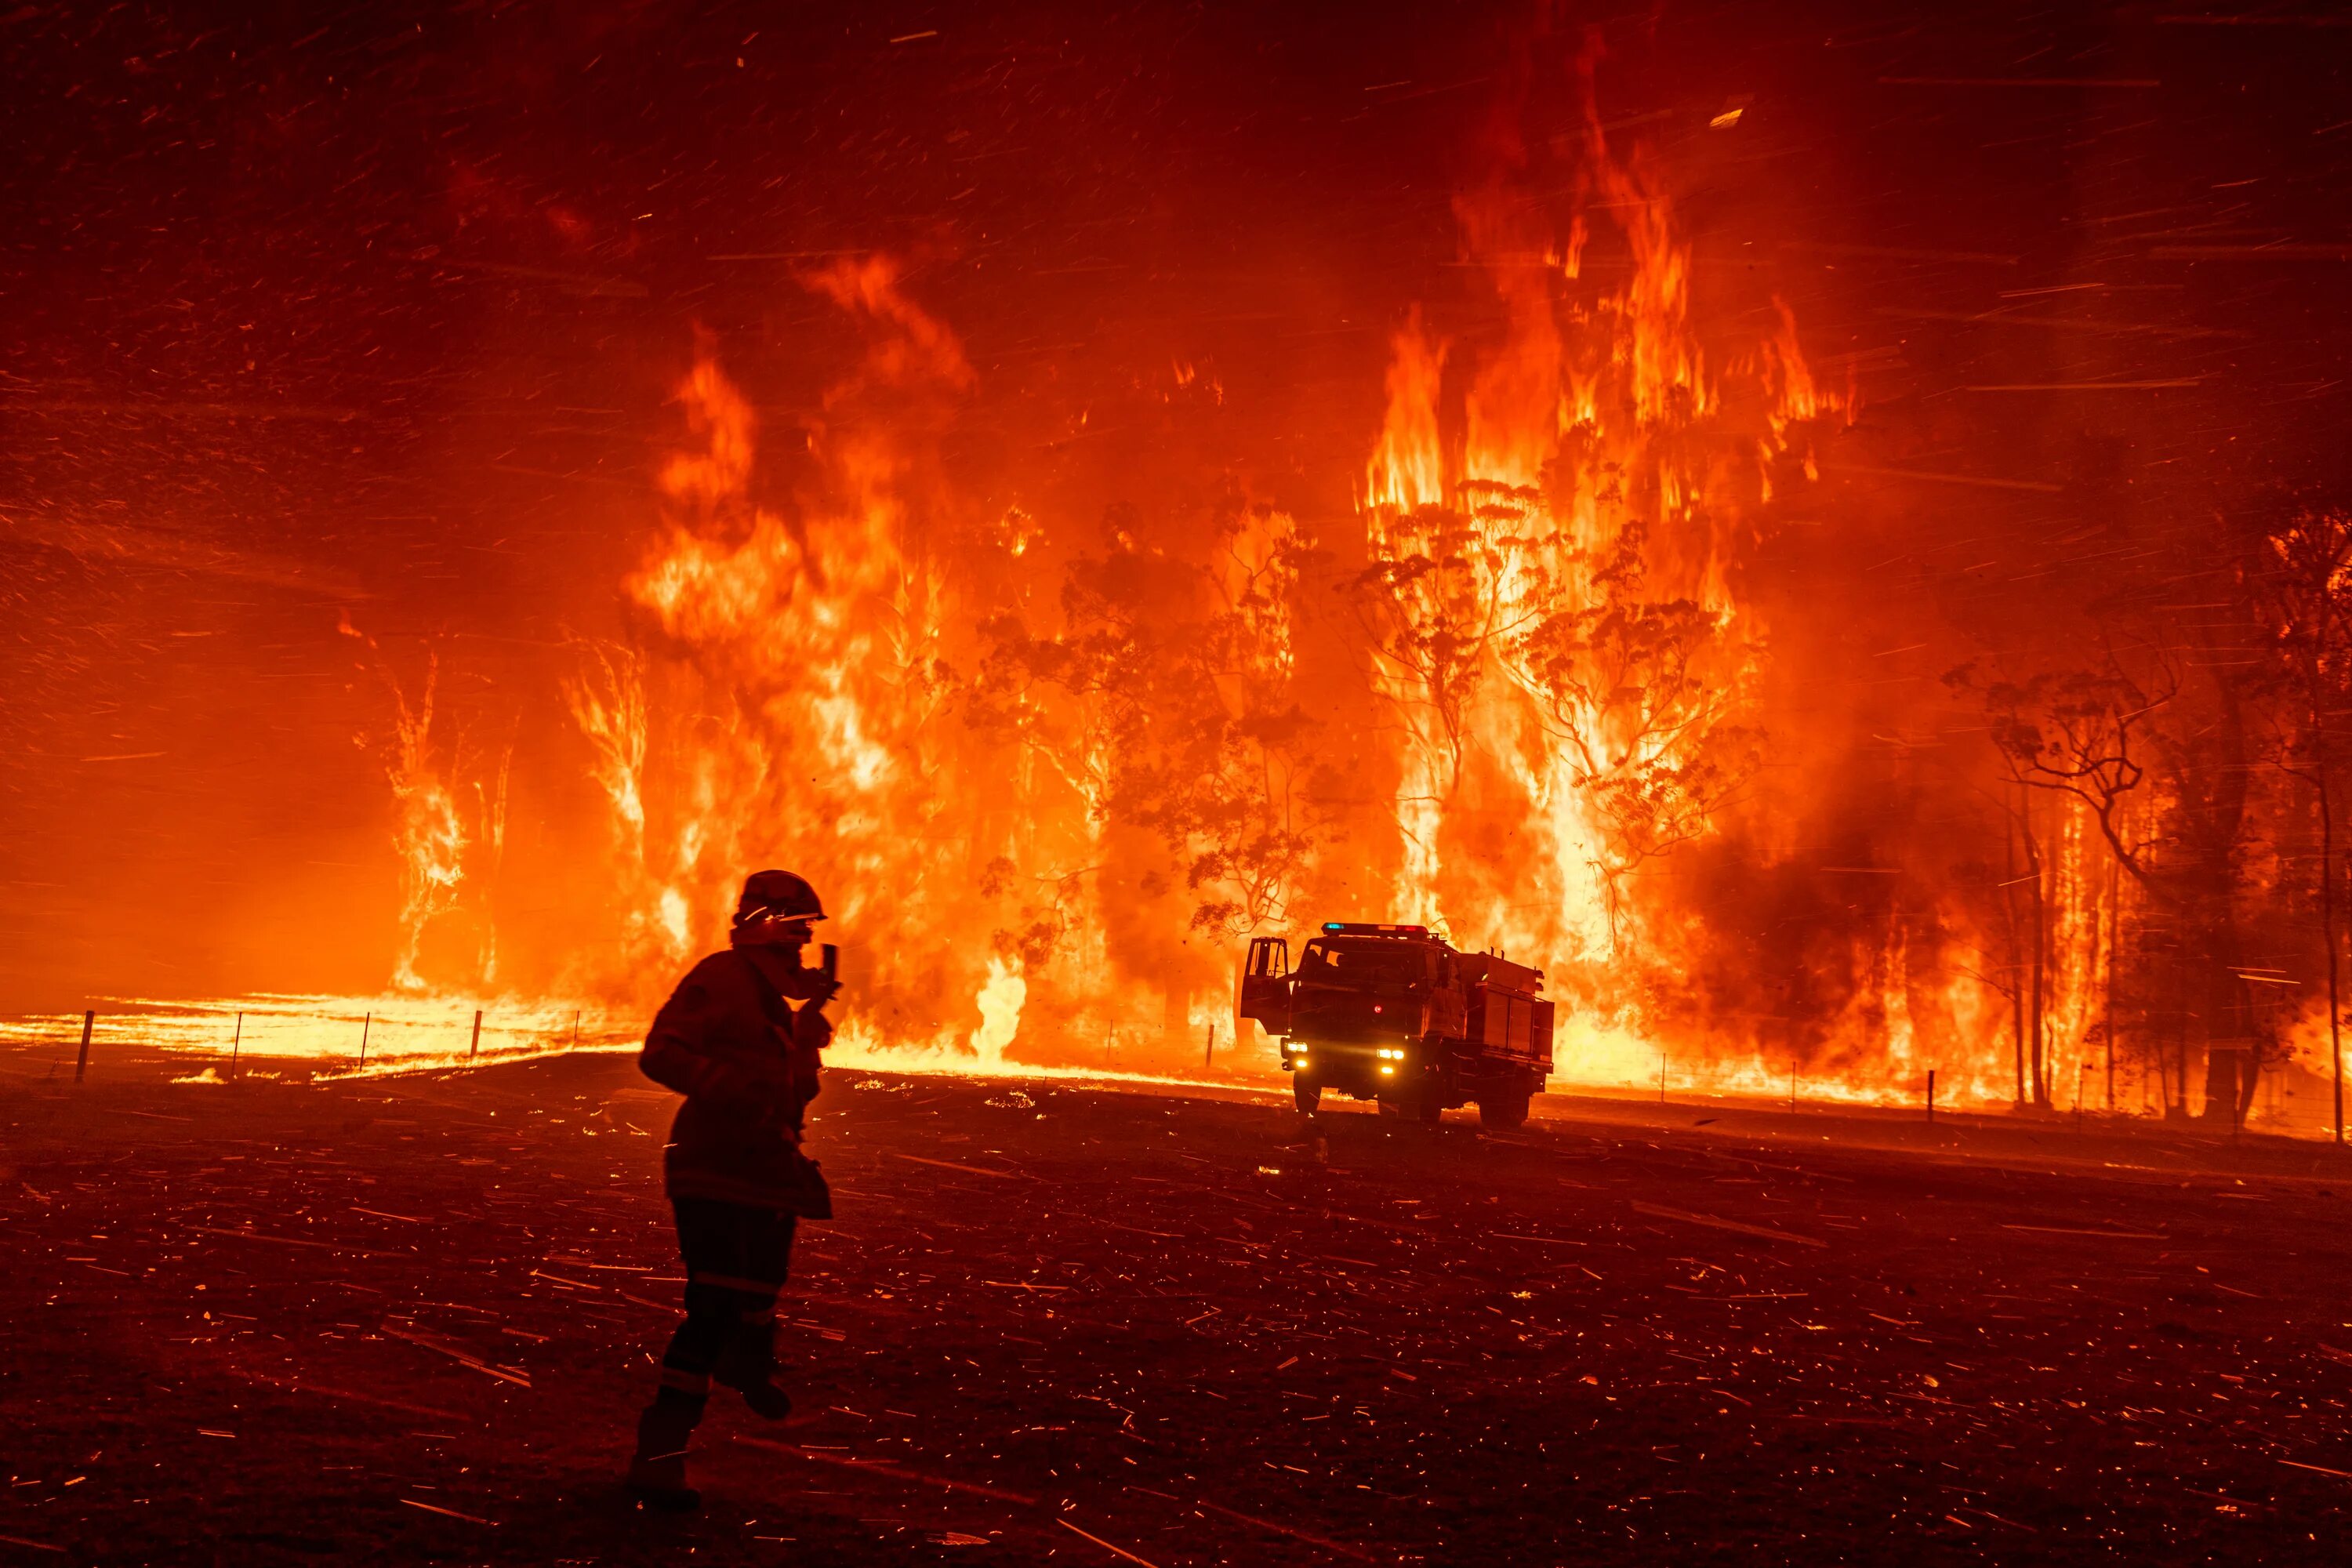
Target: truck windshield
pixel 1362 961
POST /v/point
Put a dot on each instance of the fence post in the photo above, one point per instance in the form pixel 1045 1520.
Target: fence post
pixel 367 1022
pixel 1931 1097
pixel 1662 1078
pixel 236 1045
pixel 575 1028
pixel 475 1044
pixel 81 1062
pixel 1210 1053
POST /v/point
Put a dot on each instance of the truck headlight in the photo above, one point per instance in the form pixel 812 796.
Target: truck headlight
pixel 1388 1068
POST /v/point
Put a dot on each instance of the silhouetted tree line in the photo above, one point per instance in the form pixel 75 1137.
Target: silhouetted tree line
pixel 2191 719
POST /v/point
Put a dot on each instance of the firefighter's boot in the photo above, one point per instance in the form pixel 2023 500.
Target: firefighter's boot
pixel 748 1365
pixel 657 1469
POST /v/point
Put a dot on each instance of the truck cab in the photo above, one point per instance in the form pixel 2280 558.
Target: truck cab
pixel 1395 1015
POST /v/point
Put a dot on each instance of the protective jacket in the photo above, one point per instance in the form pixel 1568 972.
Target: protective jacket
pixel 747 1067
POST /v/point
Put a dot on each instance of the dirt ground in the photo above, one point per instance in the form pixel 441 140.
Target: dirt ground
pixel 413 1319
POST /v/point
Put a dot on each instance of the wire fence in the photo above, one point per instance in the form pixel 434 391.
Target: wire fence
pixel 301 1036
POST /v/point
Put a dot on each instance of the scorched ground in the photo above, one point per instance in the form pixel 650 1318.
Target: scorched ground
pixel 409 1318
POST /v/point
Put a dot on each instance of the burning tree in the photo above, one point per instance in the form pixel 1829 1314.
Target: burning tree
pixel 802 653
pixel 1431 609
pixel 1552 520
pixel 444 848
pixel 1635 687
pixel 1639 695
pixel 2153 716
pixel 2306 601
pixel 1161 701
pixel 606 697
pixel 2205 754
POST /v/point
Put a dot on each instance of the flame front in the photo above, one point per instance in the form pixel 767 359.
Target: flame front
pixel 1000 798
pixel 1571 672
pixel 1049 770
pixel 1050 785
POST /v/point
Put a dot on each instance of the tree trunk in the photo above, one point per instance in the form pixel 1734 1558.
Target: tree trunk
pixel 2327 911
pixel 2229 1035
pixel 2115 936
pixel 2177 1109
pixel 2041 934
pixel 2016 967
pixel 2229 1020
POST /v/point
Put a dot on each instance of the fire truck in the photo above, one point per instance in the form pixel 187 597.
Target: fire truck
pixel 1393 1013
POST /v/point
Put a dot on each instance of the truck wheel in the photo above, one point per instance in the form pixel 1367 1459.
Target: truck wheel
pixel 1503 1112
pixel 1305 1093
pixel 1430 1109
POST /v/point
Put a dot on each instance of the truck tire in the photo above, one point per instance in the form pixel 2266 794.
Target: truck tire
pixel 1430 1109
pixel 1305 1093
pixel 1504 1113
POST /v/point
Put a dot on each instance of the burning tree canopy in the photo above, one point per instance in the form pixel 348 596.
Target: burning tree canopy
pixel 1093 753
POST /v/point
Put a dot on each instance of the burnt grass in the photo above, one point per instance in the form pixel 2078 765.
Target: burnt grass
pixel 411 1319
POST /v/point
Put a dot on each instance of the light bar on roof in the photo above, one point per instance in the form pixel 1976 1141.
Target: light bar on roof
pixel 1362 928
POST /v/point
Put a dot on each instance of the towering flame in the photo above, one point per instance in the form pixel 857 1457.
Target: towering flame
pixel 1049 780
pixel 429 835
pixel 807 650
pixel 1568 664
pixel 1010 794
pixel 435 843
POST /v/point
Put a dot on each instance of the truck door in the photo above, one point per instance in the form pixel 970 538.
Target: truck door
pixel 1265 984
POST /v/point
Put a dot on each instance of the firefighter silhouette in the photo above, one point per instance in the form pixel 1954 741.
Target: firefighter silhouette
pixel 729 1040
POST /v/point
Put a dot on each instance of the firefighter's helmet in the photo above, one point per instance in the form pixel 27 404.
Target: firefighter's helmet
pixel 778 896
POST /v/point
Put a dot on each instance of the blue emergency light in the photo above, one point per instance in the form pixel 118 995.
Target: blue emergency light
pixel 1360 927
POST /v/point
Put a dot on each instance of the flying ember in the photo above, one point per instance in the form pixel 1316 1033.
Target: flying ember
pixel 1175 784
pixel 1543 666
